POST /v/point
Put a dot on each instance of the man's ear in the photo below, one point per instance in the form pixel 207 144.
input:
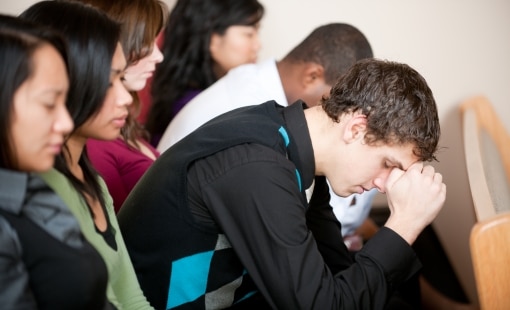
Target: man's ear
pixel 355 127
pixel 313 74
pixel 313 84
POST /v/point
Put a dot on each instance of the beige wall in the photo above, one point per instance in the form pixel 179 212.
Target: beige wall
pixel 461 47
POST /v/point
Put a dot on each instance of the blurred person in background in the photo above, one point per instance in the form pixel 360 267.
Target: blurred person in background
pixel 202 41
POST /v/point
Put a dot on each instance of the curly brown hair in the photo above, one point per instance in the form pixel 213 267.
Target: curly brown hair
pixel 396 100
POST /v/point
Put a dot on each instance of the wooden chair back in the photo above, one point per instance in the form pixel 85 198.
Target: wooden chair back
pixel 490 253
pixel 487 152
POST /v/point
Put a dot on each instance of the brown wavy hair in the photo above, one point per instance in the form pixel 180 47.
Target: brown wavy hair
pixel 396 100
pixel 141 21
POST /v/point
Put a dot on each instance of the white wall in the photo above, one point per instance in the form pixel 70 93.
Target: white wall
pixel 462 48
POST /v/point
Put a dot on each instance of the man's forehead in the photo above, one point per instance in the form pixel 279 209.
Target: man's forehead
pixel 402 156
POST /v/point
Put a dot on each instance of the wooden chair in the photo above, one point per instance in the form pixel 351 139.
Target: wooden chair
pixel 487 152
pixel 490 253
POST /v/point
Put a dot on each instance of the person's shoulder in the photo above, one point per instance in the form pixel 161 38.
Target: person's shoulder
pixel 62 186
pixel 237 80
pixel 93 144
pixel 248 70
pixel 240 156
pixel 9 241
pixel 6 230
pixel 97 150
pixel 52 176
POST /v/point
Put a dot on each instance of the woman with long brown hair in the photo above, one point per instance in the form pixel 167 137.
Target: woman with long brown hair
pixel 121 162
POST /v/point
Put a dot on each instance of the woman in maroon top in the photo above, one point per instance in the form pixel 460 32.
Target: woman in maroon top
pixel 123 161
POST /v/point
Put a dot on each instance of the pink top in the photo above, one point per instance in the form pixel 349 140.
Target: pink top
pixel 119 165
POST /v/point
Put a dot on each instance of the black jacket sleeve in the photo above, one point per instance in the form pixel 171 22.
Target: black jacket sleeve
pixel 261 211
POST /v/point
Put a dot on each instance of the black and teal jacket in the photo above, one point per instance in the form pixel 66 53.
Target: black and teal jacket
pixel 221 220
